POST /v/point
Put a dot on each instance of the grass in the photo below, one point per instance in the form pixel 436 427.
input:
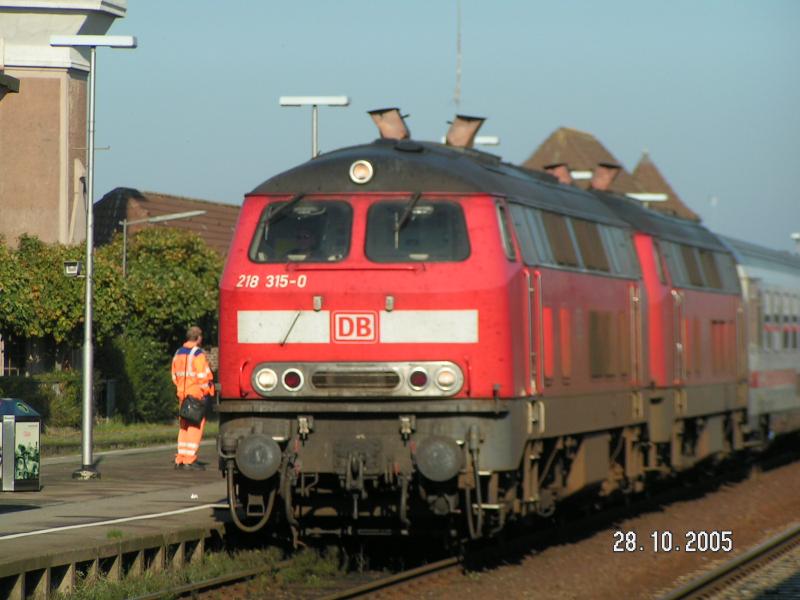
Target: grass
pixel 112 435
pixel 308 568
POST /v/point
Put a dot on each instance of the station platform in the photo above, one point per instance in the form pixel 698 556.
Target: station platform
pixel 140 514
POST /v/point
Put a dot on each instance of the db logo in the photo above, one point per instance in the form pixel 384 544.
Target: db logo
pixel 354 327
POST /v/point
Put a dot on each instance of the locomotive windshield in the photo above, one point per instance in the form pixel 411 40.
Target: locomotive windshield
pixel 416 230
pixel 305 231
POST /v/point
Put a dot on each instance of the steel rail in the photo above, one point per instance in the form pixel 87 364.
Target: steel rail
pixel 440 566
pixel 751 561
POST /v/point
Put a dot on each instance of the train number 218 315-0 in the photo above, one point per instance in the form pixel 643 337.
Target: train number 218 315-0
pixel 271 281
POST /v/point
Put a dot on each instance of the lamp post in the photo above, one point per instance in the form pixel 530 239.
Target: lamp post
pixel 88 470
pixel 159 219
pixel 314 102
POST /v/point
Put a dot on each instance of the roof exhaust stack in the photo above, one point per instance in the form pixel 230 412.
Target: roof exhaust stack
pixel 463 130
pixel 390 123
pixel 560 171
pixel 604 175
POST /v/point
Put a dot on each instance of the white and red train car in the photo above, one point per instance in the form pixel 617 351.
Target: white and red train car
pixel 414 334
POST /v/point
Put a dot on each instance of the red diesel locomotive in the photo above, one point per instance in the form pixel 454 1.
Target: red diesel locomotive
pixel 417 336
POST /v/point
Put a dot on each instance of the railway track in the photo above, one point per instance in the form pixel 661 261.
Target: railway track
pixel 494 552
pixel 728 575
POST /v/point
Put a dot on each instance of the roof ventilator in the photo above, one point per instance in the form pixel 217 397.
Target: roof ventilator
pixel 604 175
pixel 560 171
pixel 391 123
pixel 463 130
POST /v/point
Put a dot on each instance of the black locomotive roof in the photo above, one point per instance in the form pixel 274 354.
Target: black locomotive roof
pixel 648 221
pixel 409 166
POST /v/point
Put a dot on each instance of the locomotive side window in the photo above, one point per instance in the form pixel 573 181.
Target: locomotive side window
pixel 590 244
pixel 727 272
pixel 505 234
pixel 303 231
pixel 710 269
pixel 414 230
pixel 531 235
pixel 620 250
pixel 560 239
pixel 692 266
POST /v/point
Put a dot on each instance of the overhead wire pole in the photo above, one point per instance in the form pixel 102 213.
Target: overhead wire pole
pixel 88 469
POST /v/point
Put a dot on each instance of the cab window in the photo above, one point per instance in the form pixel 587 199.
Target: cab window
pixel 303 231
pixel 416 230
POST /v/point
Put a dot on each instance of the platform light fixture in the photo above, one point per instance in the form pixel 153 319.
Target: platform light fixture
pixel 314 102
pixel 480 140
pixel 159 219
pixel 88 470
pixel 796 237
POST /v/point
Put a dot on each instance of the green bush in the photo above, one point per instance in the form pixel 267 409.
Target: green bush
pixel 138 320
pixel 56 396
pixel 141 367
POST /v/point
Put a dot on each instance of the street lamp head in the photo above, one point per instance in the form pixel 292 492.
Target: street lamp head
pixel 106 41
pixel 314 101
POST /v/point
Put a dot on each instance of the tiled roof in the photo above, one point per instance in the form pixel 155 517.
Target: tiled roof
pixel 580 151
pixel 652 181
pixel 215 227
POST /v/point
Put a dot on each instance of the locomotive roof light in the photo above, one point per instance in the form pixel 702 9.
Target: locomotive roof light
pixel 293 380
pixel 265 379
pixel 361 172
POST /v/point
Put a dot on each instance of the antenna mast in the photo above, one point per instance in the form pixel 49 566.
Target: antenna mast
pixel 457 94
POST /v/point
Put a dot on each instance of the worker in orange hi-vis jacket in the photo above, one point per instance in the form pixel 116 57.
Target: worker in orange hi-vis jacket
pixel 192 377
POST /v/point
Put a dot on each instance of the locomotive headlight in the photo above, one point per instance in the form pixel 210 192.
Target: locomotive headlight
pixel 446 378
pixel 361 172
pixel 265 379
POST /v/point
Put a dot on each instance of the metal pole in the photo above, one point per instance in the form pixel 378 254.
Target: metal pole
pixel 87 470
pixel 314 128
pixel 124 248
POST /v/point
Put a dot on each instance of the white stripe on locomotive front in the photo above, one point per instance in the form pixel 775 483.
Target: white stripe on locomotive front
pixel 429 327
pixel 271 326
pixel 396 327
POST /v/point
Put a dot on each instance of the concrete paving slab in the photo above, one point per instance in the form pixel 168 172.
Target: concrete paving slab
pixel 139 494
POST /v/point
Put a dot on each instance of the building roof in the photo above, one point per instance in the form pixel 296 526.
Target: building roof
pixel 215 227
pixel 580 151
pixel 652 181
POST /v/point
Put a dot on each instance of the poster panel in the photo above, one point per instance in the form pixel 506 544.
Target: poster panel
pixel 26 451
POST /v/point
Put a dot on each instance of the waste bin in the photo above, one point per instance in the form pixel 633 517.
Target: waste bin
pixel 20 462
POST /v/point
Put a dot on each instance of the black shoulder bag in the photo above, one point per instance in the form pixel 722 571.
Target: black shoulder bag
pixel 192 409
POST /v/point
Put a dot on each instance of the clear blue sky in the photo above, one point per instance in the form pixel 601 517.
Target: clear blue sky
pixel 710 87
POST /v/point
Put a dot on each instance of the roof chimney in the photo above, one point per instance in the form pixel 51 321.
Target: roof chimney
pixel 560 171
pixel 390 123
pixel 463 130
pixel 604 175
